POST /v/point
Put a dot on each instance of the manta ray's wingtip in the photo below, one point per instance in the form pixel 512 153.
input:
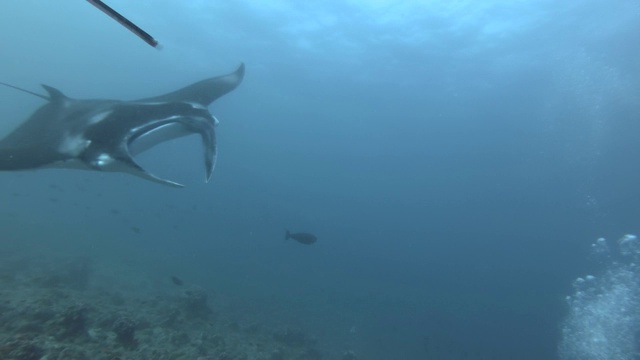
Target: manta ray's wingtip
pixel 240 71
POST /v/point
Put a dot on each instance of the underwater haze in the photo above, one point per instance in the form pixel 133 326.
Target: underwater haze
pixel 454 159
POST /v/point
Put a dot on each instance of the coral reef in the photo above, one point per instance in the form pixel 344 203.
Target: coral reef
pixel 73 321
pixel 349 355
pixel 67 309
pixel 20 347
pixel 125 330
pixel 72 272
pixel 293 337
pixel 195 303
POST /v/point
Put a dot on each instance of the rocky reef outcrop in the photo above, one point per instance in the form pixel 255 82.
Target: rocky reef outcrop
pixel 65 309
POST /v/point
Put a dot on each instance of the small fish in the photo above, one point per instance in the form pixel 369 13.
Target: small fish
pixel 302 238
pixel 177 281
pixel 136 229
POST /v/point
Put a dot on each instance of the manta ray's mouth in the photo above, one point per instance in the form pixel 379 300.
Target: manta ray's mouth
pixel 172 130
pixel 153 137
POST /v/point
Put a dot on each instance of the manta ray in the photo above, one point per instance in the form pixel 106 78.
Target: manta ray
pixel 105 135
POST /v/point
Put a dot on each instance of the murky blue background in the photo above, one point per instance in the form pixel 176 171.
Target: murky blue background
pixel 454 158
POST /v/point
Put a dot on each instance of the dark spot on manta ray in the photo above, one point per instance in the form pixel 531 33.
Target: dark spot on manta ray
pixel 177 281
pixel 301 237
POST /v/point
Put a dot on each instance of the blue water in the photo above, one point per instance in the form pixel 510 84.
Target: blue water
pixel 456 160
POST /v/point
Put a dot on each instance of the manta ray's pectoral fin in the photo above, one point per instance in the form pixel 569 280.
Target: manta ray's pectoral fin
pixel 123 162
pixel 203 92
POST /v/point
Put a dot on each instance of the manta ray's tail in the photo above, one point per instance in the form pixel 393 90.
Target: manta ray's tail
pixel 25 90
